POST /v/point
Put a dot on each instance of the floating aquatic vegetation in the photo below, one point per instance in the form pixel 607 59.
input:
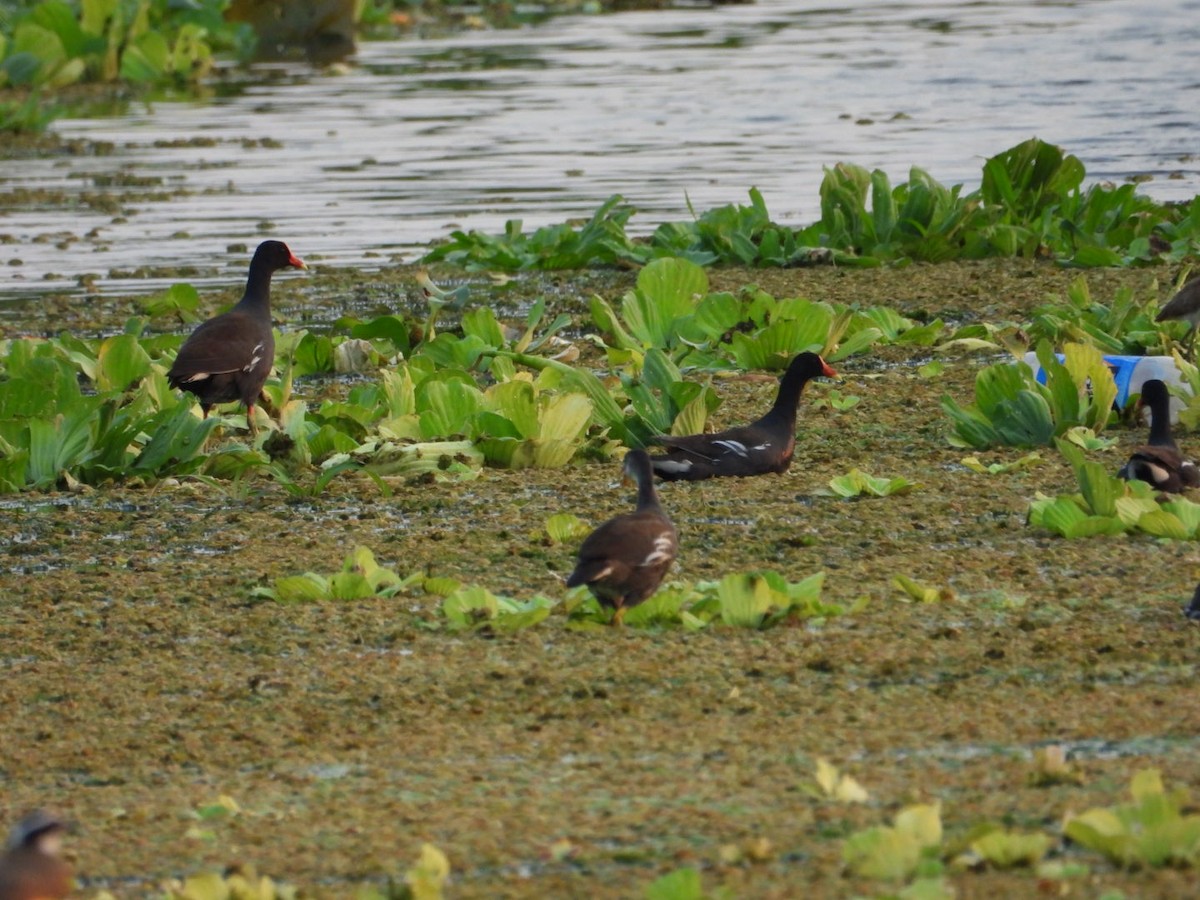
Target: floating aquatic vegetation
pixel 1152 830
pixel 600 241
pixel 1013 408
pixel 1050 767
pixel 835 400
pixel 893 852
pixel 1016 465
pixel 1124 326
pixel 920 593
pixel 1106 504
pixel 55 44
pixel 565 528
pixel 681 884
pixel 993 845
pixel 831 784
pixel 243 883
pixel 755 600
pixel 856 483
pixel 761 599
pixel 476 607
pixel 670 309
pixel 1031 203
pixel 360 578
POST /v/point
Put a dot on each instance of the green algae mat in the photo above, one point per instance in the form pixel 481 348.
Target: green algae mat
pixel 985 677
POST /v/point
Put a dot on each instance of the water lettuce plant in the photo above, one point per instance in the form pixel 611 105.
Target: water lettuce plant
pixel 680 884
pixel 1001 468
pixel 914 591
pixel 1031 203
pixel 1106 504
pixel 53 434
pixel 243 882
pixel 1013 408
pixel 894 852
pixel 831 784
pixel 600 241
pixel 1001 848
pixel 856 483
pixel 475 607
pixel 361 577
pixel 1125 326
pixel 1152 830
pixel 756 600
pixel 671 309
pixel 53 43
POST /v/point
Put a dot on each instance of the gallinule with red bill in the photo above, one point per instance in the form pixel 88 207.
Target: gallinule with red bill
pixel 755 449
pixel 31 868
pixel 624 560
pixel 229 357
pixel 1159 462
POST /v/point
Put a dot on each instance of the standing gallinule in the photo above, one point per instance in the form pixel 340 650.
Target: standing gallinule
pixel 1185 305
pixel 229 356
pixel 31 868
pixel 624 560
pixel 755 449
pixel 1159 462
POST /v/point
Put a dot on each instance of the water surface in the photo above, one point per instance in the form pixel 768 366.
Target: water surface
pixel 416 137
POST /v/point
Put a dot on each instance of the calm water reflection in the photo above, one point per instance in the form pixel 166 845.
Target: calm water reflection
pixel 543 123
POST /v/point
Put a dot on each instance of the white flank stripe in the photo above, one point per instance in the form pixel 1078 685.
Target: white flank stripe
pixel 672 465
pixel 199 376
pixel 733 447
pixel 255 356
pixel 663 546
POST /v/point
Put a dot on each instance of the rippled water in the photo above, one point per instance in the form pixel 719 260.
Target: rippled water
pixel 545 122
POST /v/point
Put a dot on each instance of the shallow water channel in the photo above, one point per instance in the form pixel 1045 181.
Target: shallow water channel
pixel 370 162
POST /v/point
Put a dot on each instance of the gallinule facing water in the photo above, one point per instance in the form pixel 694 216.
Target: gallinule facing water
pixel 624 560
pixel 1159 462
pixel 1185 305
pixel 31 869
pixel 229 357
pixel 755 449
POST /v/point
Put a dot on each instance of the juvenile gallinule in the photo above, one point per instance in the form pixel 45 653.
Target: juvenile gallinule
pixel 229 357
pixel 31 868
pixel 755 449
pixel 624 560
pixel 1185 306
pixel 1159 462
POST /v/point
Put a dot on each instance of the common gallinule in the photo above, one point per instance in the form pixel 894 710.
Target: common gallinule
pixel 624 560
pixel 1184 306
pixel 229 357
pixel 31 868
pixel 755 449
pixel 1159 462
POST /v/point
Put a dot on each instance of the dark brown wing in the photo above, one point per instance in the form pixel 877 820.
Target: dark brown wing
pixel 737 452
pixel 233 342
pixel 624 560
pixel 1162 467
